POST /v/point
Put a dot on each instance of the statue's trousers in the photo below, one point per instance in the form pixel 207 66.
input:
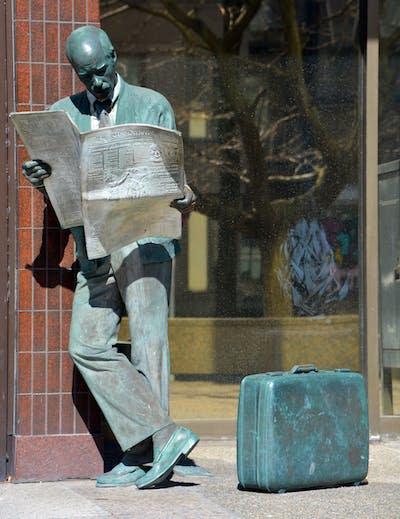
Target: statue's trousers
pixel 129 393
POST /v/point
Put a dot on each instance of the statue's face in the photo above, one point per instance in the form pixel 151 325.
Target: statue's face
pixel 97 73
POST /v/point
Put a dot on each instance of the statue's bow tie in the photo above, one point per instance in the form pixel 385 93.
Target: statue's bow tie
pixel 100 106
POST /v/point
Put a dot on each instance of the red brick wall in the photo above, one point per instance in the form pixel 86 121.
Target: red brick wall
pixel 45 409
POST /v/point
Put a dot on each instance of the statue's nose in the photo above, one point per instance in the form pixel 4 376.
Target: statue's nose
pixel 96 82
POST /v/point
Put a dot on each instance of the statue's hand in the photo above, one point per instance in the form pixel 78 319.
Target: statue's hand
pixel 187 203
pixel 36 171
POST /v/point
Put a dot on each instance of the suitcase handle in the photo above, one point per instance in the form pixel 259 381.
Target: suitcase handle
pixel 303 368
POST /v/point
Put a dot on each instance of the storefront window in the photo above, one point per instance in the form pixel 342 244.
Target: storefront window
pixel 267 96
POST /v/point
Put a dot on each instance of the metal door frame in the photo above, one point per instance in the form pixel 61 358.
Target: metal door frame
pixel 7 240
pixel 370 298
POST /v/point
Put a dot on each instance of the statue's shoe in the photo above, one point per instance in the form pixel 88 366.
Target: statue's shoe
pixel 120 476
pixel 181 442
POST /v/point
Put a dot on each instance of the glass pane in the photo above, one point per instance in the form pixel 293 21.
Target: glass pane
pixel 389 81
pixel 389 208
pixel 267 99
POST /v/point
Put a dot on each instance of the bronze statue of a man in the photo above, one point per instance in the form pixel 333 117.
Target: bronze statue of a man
pixel 133 395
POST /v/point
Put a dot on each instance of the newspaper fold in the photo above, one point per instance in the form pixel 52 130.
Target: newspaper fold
pixel 117 182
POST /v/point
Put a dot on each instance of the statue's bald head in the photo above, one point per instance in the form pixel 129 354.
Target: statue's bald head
pixel 86 43
pixel 93 58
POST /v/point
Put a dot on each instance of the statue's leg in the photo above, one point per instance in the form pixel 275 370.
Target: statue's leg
pixel 145 290
pixel 132 411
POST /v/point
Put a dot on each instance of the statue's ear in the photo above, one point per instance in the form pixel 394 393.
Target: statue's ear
pixel 114 56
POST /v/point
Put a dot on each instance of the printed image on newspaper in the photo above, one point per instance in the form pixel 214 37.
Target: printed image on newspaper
pixel 130 175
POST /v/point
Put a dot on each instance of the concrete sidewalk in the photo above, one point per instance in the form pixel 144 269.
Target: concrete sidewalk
pixel 216 497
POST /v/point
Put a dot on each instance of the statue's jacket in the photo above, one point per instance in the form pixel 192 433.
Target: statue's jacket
pixel 135 105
